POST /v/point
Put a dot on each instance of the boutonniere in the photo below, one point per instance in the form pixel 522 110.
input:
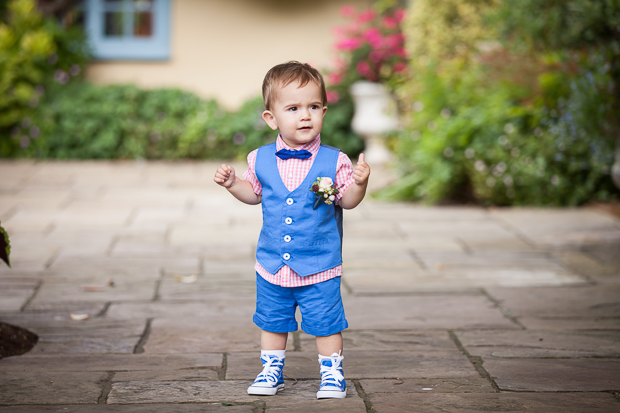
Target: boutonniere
pixel 324 190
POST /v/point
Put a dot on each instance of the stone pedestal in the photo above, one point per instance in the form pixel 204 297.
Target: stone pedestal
pixel 375 114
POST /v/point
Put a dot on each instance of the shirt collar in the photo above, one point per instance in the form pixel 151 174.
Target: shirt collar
pixel 313 146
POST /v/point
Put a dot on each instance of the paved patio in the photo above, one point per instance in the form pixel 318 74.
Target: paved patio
pixel 451 309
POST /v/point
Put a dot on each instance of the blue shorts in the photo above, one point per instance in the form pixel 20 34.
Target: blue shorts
pixel 320 306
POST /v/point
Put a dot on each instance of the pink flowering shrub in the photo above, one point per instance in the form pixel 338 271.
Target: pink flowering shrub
pixel 370 47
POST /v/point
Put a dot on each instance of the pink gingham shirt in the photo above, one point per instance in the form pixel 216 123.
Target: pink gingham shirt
pixel 293 172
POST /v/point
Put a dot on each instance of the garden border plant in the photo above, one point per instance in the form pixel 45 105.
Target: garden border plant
pixel 500 117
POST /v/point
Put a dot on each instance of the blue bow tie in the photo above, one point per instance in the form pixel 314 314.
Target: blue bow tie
pixel 287 154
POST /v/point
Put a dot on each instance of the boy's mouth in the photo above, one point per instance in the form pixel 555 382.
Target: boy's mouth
pixel 305 128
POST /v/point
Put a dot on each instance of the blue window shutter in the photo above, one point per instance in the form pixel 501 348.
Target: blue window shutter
pixel 156 47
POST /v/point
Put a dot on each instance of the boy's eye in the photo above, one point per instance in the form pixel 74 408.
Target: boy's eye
pixel 293 108
pixel 314 107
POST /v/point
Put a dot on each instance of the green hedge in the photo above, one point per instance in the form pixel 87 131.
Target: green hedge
pixel 35 52
pixel 85 121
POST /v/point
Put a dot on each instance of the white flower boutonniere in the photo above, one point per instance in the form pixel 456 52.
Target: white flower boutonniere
pixel 324 190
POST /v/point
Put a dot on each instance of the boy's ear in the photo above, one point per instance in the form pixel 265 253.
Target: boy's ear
pixel 324 110
pixel 270 120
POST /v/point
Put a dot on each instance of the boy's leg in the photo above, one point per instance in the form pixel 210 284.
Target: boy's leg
pixel 323 317
pixel 327 345
pixel 273 341
pixel 333 385
pixel 275 315
pixel 272 355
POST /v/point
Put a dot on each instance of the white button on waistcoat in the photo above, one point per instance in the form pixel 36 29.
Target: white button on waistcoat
pixel 287 256
pixel 287 238
pixel 289 201
pixel 289 220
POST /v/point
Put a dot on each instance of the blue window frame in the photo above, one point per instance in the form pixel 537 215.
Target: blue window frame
pixel 129 29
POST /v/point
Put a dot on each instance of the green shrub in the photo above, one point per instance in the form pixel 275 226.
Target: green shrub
pixel 34 53
pixel 80 120
pixel 528 125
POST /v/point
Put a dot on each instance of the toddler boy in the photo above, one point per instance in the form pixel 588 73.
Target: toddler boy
pixel 303 186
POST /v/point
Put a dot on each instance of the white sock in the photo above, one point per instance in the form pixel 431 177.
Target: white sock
pixel 278 353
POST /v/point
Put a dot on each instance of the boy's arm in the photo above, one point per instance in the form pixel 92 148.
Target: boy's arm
pixel 239 188
pixel 354 194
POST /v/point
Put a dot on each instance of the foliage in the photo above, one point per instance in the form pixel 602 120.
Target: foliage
pixel 5 246
pixel 45 113
pixel 559 24
pixel 527 122
pixel 86 121
pixel 34 52
pixel 371 47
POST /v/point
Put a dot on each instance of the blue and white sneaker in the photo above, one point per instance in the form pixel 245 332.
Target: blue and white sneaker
pixel 333 385
pixel 270 380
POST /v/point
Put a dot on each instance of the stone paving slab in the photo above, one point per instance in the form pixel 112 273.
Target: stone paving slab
pixel 145 408
pixel 433 311
pixel 302 398
pixel 208 314
pixel 166 339
pixel 185 374
pixel 454 228
pixel 377 211
pixel 449 385
pixel 15 291
pixel 125 247
pixel 228 391
pixel 532 343
pixel 561 228
pixel 60 326
pixel 588 265
pixel 110 362
pixel 205 288
pixel 452 299
pixel 62 290
pixel 391 279
pixel 571 323
pixel 483 259
pixel 505 402
pixel 62 310
pixel 502 276
pixel 582 301
pixel 86 345
pixel 239 269
pixel 115 268
pixel 540 375
pixel 45 387
pixel 362 364
pixel 387 340
pixel 498 243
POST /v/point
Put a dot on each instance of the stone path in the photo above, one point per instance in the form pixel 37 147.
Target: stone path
pixel 451 309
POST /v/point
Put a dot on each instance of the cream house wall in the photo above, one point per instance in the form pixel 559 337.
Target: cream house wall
pixel 223 48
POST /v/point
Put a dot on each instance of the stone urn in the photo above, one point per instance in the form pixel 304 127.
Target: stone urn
pixel 375 114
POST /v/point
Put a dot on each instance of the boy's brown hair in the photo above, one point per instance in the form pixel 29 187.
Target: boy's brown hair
pixel 284 74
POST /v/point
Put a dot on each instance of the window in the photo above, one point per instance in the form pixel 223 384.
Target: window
pixel 129 29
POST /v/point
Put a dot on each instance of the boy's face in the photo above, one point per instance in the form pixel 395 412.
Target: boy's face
pixel 298 113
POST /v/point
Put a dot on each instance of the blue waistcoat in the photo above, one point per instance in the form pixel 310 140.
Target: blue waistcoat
pixel 307 240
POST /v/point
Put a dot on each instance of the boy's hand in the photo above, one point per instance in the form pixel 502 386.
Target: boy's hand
pixel 361 171
pixel 225 176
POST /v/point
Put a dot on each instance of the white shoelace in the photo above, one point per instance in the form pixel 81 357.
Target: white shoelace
pixel 271 370
pixel 331 374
